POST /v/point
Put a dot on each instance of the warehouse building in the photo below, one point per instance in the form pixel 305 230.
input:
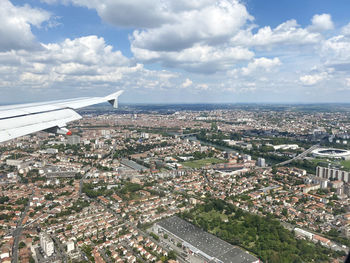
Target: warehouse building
pixel 202 243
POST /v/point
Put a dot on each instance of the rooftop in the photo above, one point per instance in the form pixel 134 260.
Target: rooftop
pixel 205 242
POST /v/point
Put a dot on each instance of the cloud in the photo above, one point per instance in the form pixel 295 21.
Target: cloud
pixel 197 39
pixel 287 33
pixel 89 50
pixel 262 64
pixel 187 83
pixel 201 59
pixel 336 49
pixel 310 80
pixel 212 24
pixel 202 86
pixel 74 61
pixel 346 30
pixel 16 22
pixel 321 23
pixel 217 39
pixel 168 31
pixel 85 65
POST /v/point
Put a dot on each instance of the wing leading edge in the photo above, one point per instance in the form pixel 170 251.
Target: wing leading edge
pixel 23 119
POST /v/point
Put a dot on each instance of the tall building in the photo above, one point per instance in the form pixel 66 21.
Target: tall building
pixel 46 244
pixel 261 162
pixel 332 173
pixel 73 139
pixel 70 246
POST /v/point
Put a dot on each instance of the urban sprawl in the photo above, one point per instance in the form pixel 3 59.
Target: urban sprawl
pixel 228 185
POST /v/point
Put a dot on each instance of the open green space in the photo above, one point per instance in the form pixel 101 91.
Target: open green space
pixel 346 164
pixel 202 162
pixel 324 162
pixel 263 236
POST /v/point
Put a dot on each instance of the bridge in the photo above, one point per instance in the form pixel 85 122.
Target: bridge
pixel 300 156
pixel 186 135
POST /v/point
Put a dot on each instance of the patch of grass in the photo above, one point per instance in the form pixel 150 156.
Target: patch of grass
pixel 202 162
pixel 346 164
pixel 324 162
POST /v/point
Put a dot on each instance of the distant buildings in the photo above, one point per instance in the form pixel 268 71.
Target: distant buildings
pixel 73 139
pixel 286 147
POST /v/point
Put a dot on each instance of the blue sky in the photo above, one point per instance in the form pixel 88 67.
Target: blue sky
pixel 166 51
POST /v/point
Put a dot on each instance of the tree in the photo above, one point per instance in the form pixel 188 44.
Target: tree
pixel 4 199
pixel 285 212
pixel 172 255
pixel 21 245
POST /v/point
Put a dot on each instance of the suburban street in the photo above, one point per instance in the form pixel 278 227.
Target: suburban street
pixel 18 231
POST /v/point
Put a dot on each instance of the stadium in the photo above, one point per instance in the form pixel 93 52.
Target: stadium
pixel 331 153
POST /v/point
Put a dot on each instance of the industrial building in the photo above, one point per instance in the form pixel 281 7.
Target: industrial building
pixel 201 243
pixel 133 165
pixel 73 140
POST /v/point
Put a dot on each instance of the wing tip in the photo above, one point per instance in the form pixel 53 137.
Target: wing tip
pixel 113 98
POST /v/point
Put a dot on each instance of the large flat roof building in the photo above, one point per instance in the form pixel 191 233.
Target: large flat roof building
pixel 203 243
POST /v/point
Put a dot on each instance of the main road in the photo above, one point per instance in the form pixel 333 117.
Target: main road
pixel 18 231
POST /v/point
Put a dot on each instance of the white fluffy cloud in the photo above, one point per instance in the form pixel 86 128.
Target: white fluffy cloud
pixel 202 36
pixel 204 59
pixel 196 40
pixel 212 24
pixel 16 22
pixel 263 64
pixel 287 33
pixel 191 34
pixel 77 67
pixel 215 38
pixel 73 62
pixel 321 23
pixel 346 30
pixel 310 80
pixel 130 13
pixel 336 50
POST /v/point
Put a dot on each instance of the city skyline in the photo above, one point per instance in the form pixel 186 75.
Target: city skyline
pixel 184 52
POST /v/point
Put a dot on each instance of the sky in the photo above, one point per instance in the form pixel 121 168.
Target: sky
pixel 176 51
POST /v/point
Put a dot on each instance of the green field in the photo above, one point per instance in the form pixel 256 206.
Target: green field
pixel 202 162
pixel 346 164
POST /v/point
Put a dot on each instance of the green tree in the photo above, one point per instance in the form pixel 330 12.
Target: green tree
pixel 21 245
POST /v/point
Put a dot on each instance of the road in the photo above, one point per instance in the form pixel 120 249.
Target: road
pixel 18 231
pixel 300 156
pixel 60 249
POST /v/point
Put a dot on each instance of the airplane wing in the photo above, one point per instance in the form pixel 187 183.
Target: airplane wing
pixel 53 116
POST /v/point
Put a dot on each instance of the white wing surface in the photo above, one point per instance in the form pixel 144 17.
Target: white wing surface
pixel 23 119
